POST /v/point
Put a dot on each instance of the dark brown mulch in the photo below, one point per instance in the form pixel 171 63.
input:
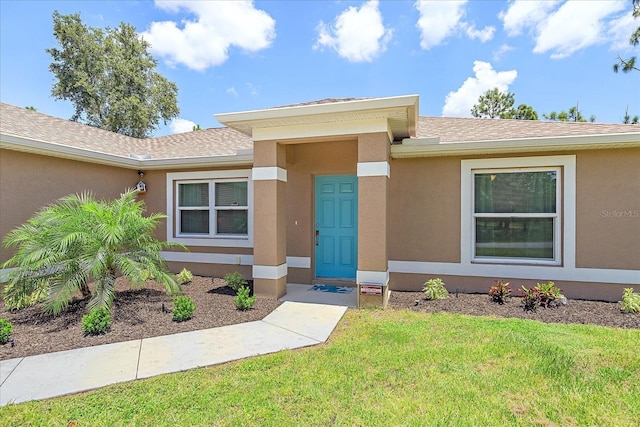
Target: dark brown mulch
pixel 575 311
pixel 137 313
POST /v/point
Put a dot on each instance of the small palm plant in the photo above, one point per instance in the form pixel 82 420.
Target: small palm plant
pixel 80 240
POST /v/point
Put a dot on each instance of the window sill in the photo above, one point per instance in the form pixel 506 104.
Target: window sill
pixel 230 242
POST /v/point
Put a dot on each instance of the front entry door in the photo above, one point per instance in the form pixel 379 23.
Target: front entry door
pixel 336 226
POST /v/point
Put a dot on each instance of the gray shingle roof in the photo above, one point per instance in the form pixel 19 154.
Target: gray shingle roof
pixel 33 125
pixel 455 129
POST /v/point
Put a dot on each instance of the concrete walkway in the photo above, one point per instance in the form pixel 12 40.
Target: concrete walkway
pixel 291 325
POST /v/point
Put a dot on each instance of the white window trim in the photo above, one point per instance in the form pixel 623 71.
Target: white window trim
pixel 564 245
pixel 214 240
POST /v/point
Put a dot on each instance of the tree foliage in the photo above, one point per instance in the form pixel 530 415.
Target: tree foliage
pixel 67 245
pixel 524 112
pixel 495 104
pixel 109 76
pixel 629 64
pixel 572 115
pixel 627 119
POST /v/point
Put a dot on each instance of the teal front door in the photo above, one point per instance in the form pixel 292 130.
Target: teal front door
pixel 336 226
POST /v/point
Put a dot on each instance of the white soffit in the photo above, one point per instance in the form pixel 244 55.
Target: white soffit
pixel 400 114
pixel 430 147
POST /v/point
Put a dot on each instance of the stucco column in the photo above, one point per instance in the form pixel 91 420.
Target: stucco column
pixel 269 219
pixel 373 183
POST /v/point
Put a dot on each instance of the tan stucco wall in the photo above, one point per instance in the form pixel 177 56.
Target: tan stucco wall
pixel 608 209
pixel 424 210
pixel 373 197
pixel 304 162
pixel 30 182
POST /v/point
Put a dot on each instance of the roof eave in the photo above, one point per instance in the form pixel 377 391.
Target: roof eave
pixel 547 144
pixel 247 121
pixel 16 143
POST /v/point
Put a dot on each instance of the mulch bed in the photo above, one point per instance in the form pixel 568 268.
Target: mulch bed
pixel 137 313
pixel 575 311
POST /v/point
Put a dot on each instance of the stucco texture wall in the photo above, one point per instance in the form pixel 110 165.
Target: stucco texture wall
pixel 304 162
pixel 424 210
pixel 30 182
pixel 608 209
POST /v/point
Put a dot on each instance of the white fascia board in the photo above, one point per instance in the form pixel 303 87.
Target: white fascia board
pixel 560 143
pixel 408 101
pixel 191 162
pixel 325 129
pixel 33 146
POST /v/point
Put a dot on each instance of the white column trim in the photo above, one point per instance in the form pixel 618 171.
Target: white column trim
pixel 299 262
pixel 266 173
pixel 208 258
pixel 374 169
pixel 381 277
pixel 269 271
pixel 532 272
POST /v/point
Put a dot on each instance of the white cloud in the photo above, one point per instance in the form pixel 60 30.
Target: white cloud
pixel 438 20
pixel 181 125
pixel 358 34
pixel 524 14
pixel 232 91
pixel 484 35
pixel 459 103
pixel 501 51
pixel 562 28
pixel 442 19
pixel 620 29
pixel 574 26
pixel 205 41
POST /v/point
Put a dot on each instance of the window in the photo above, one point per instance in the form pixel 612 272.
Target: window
pixel 227 216
pixel 210 208
pixel 516 214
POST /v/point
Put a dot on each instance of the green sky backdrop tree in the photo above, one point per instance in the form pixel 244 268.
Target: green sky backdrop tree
pixel 495 104
pixel 109 76
pixel 629 64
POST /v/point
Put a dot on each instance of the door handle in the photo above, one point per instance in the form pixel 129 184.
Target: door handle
pixel 317 237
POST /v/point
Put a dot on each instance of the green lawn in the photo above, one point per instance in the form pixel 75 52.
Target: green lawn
pixel 388 368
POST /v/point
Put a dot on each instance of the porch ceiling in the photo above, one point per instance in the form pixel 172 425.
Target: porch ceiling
pixel 399 113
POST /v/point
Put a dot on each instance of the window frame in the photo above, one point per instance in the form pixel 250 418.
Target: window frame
pixel 555 216
pixel 564 217
pixel 213 238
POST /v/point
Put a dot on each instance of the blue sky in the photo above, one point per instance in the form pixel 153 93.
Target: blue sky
pixel 238 56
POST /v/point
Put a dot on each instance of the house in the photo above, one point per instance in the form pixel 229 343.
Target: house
pixel 358 191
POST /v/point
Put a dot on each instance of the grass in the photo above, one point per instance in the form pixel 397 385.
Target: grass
pixel 388 368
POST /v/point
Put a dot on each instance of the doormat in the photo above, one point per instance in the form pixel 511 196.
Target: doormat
pixel 332 289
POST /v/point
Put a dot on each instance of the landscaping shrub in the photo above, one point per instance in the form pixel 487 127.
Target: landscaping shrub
pixel 435 289
pixel 243 301
pixel 500 292
pixel 234 280
pixel 183 308
pixel 28 296
pixel 6 329
pixel 630 301
pixel 97 322
pixel 542 295
pixel 184 276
